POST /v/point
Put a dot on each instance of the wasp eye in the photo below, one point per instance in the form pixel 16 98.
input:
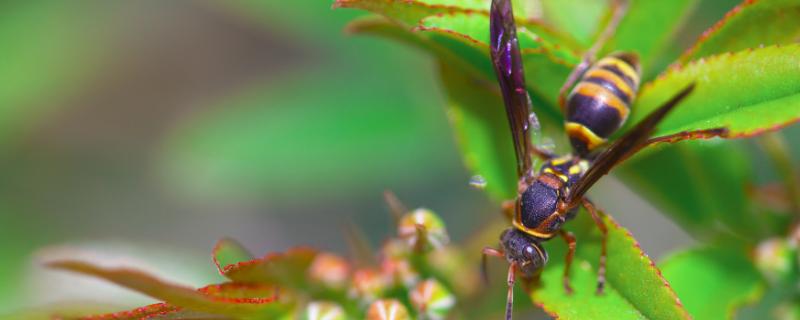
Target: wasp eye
pixel 530 251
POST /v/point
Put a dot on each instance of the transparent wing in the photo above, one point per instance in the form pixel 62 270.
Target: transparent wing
pixel 624 147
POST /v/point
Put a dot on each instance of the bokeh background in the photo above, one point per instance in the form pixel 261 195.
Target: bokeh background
pixel 140 132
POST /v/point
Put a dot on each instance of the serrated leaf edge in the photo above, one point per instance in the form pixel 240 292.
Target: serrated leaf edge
pixel 485 46
pixel 270 257
pixel 675 68
pixel 652 265
pixel 710 32
pixel 218 246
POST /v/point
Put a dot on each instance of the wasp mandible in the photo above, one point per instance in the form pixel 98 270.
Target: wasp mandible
pixel 595 108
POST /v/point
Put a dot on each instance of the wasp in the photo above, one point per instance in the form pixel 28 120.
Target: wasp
pixel 594 109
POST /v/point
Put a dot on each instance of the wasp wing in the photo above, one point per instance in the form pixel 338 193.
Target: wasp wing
pixel 624 147
pixel 507 63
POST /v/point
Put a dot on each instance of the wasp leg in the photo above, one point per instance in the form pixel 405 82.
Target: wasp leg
pixel 512 270
pixel 689 135
pixel 601 268
pixel 571 242
pixel 487 251
pixel 508 208
pixel 542 153
pixel 619 7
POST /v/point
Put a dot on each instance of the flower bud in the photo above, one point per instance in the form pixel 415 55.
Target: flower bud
pixel 432 299
pixel 387 309
pixel 324 310
pixel 422 230
pixel 329 270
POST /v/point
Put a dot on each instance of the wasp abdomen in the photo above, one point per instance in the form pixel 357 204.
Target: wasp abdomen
pixel 600 103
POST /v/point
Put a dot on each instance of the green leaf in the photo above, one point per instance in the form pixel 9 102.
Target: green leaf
pixel 146 312
pixel 461 39
pixel 579 18
pixel 474 102
pixel 408 12
pixel 634 289
pixel 481 131
pixel 548 57
pixel 714 281
pixel 750 25
pixel 748 92
pixel 411 12
pixel 214 302
pixel 647 29
pixel 228 252
pixel 287 269
pixel 700 185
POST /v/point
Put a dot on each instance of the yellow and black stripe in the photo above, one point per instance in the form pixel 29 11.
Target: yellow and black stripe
pixel 600 102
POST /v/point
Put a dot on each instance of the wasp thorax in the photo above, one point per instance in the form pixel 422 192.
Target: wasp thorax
pixel 524 251
pixel 537 204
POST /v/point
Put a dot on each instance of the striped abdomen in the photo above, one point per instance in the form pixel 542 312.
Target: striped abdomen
pixel 601 101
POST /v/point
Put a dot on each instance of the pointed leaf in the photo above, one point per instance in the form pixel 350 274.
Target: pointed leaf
pixel 232 291
pixel 227 252
pixel 748 92
pixel 647 29
pixel 473 26
pixel 145 312
pixel 634 289
pixel 239 291
pixel 751 24
pixel 285 269
pixel 713 282
pixel 184 315
pixel 411 12
pixel 547 57
pixel 176 295
pixel 407 11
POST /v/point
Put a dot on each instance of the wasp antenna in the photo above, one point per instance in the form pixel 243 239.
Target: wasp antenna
pixel 357 244
pixel 396 207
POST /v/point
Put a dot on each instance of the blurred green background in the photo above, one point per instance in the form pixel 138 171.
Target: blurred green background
pixel 140 132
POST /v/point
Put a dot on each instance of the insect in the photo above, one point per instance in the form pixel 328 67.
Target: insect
pixel 596 108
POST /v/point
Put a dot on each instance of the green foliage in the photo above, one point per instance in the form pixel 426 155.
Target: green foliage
pixel 482 145
pixel 648 29
pixel 746 92
pixel 714 281
pixel 746 84
pixel 223 299
pixel 299 282
pixel 750 25
pixel 748 81
pixel 701 186
pixel 635 288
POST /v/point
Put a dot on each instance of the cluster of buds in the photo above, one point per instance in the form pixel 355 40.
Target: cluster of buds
pixel 408 280
pixel 401 285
